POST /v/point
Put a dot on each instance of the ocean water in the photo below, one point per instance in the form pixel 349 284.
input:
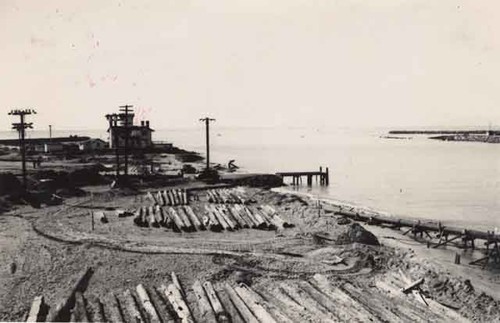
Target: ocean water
pixel 453 182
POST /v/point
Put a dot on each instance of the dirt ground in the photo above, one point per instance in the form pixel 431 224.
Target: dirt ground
pixel 42 252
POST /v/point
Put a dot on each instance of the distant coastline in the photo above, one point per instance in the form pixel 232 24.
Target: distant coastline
pixel 485 136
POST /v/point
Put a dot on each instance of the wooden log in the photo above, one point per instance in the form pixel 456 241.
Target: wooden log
pixel 175 194
pixel 101 217
pixel 271 308
pixel 112 309
pixel 167 219
pixel 38 310
pixel 159 198
pixel 158 215
pixel 194 218
pixel 152 217
pixel 230 224
pixel 167 198
pixel 178 303
pixel 321 299
pixel 184 217
pixel 79 312
pixel 310 303
pixel 131 307
pixel 224 210
pixel 96 310
pixel 162 305
pixel 185 197
pixel 147 305
pixel 231 310
pixel 145 217
pixel 138 217
pixel 220 218
pixel 255 304
pixel 176 219
pixel 61 312
pixel 244 223
pixel 177 284
pixel 214 224
pixel 171 197
pixel 243 309
pixel 206 312
pixel 151 198
pixel 164 198
pixel 270 224
pixel 250 216
pixel 220 312
pixel 261 222
pixel 250 221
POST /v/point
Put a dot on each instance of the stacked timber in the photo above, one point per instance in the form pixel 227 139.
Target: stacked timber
pixel 173 197
pixel 226 196
pixel 229 217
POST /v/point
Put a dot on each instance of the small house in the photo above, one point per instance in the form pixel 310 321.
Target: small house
pixel 92 144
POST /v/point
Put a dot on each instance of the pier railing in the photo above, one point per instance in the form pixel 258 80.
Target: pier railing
pixel 322 176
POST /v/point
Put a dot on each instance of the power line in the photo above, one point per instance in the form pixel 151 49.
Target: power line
pixel 125 112
pixel 21 128
pixel 207 129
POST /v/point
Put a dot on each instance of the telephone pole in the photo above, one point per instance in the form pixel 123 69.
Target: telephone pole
pixel 125 113
pixel 207 128
pixel 113 136
pixel 21 127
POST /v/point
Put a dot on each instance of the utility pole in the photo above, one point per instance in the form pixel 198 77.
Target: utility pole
pixel 125 112
pixel 207 128
pixel 50 131
pixel 21 127
pixel 113 136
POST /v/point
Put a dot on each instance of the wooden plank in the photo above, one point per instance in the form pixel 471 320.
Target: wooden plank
pixel 147 305
pixel 178 303
pixel 413 285
pixel 206 311
pixel 240 305
pixel 131 307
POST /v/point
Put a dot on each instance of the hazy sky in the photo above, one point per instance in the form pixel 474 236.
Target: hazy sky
pixel 250 63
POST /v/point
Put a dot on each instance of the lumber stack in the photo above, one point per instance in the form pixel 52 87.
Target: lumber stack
pixel 226 196
pixel 315 299
pixel 213 217
pixel 172 197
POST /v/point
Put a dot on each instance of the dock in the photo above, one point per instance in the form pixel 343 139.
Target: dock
pixel 444 234
pixel 322 176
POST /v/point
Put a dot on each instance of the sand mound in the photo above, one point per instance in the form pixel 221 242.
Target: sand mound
pixel 356 233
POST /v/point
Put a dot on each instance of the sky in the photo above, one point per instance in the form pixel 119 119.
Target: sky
pixel 321 63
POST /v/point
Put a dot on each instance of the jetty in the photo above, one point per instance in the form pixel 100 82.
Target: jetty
pixel 322 176
pixel 445 234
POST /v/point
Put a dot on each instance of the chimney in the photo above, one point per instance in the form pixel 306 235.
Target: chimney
pixel 142 123
pixel 147 123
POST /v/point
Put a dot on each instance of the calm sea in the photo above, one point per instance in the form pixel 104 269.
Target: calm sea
pixel 454 182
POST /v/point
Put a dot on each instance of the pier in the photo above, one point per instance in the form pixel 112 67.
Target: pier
pixel 444 234
pixel 322 176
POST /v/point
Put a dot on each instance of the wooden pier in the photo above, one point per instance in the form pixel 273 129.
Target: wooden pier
pixel 444 234
pixel 322 176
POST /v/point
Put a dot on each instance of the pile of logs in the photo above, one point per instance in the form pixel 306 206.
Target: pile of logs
pixel 226 196
pixel 168 197
pixel 215 218
pixel 167 303
pixel 310 300
pixel 180 218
